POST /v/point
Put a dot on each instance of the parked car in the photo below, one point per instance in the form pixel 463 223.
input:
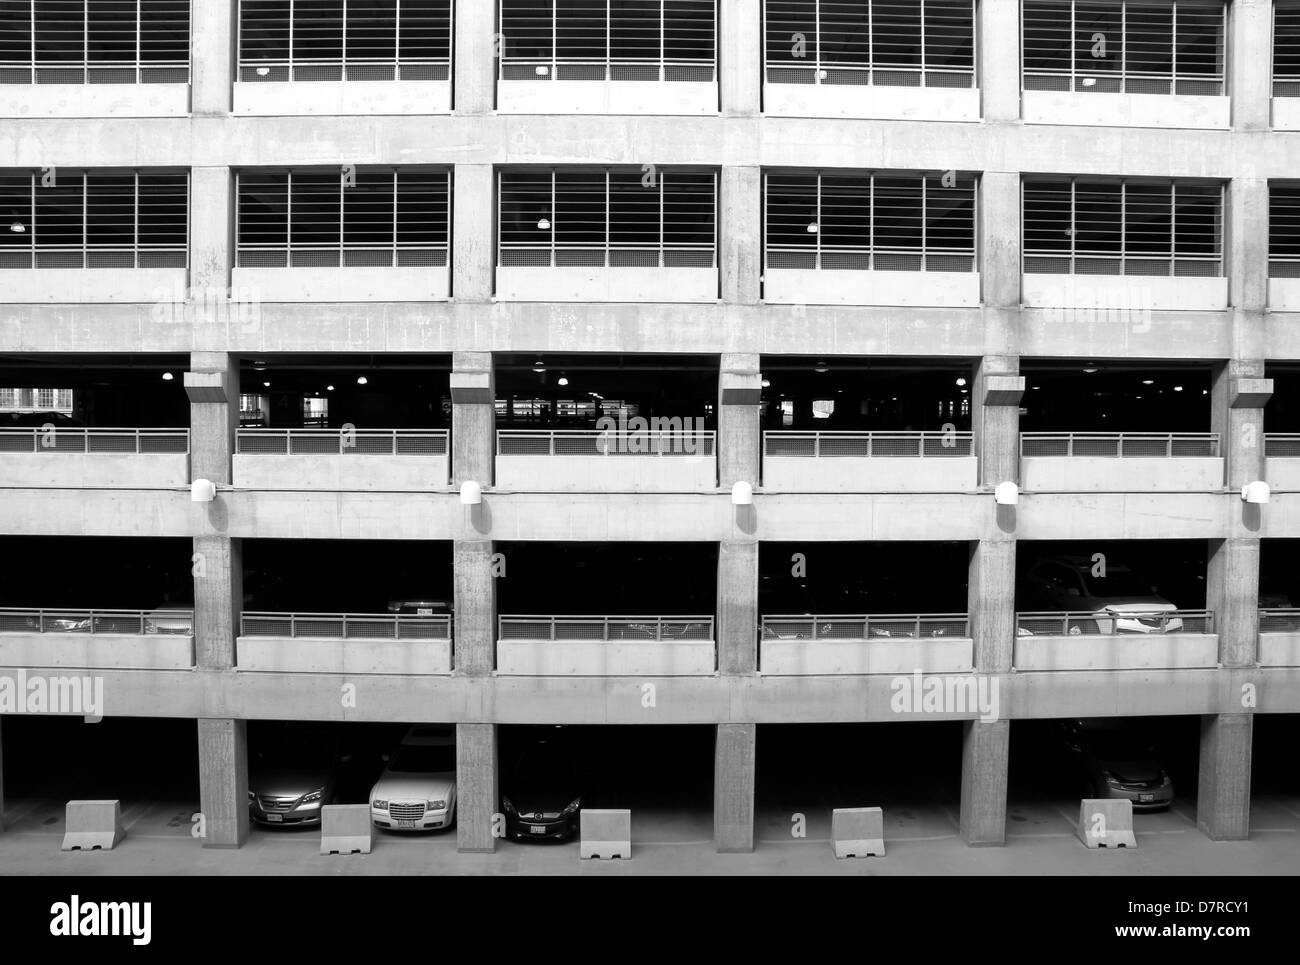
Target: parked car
pixel 170 617
pixel 417 791
pixel 1121 601
pixel 542 795
pixel 293 772
pixel 1117 761
pixel 425 606
pixel 34 420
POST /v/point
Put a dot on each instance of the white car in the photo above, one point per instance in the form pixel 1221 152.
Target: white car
pixel 417 791
pixel 1120 601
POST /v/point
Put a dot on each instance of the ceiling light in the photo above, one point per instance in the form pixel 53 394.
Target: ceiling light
pixel 1205 391
pixel 767 384
pixel 259 364
pixel 562 380
pixel 961 380
pixel 1033 387
pixel 821 367
pixel 167 376
pixel 362 380
pixel 1089 371
pixel 1178 388
pixel 541 70
pixel 266 385
pixel 1090 82
pixel 329 388
pixel 263 71
pixel 543 224
pixel 539 366
pixel 812 227
pixel 18 228
pixel 1148 381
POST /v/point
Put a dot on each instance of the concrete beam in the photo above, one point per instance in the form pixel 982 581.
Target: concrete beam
pixel 223 781
pixel 985 751
pixel 477 786
pixel 734 757
pixel 1223 793
pixel 475 605
pixel 473 418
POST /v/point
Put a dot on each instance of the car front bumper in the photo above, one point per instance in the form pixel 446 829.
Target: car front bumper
pixel 430 821
pixel 1144 799
pixel 293 818
pixel 522 828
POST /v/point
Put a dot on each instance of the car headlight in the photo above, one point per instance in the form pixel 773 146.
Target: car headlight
pixel 1165 780
pixel 1108 777
pixel 573 805
pixel 313 796
pixel 251 796
pixel 508 805
pixel 379 805
pixel 437 805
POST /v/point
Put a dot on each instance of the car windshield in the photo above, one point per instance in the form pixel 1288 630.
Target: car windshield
pixel 1120 747
pixel 1118 583
pixel 433 759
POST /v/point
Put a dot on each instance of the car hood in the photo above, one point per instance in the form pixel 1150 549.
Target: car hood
pixel 528 800
pixel 293 782
pixel 419 787
pixel 1133 772
pixel 1137 604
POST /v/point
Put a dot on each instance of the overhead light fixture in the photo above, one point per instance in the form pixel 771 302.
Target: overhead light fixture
pixel 767 384
pixel 812 227
pixel 961 380
pixel 1178 388
pixel 167 376
pixel 541 70
pixel 1148 381
pixel 821 367
pixel 1006 494
pixel 742 494
pixel 266 385
pixel 539 366
pixel 263 71
pixel 821 75
pixel 203 491
pixel 562 380
pixel 1089 371
pixel 329 388
pixel 1205 391
pixel 1035 387
pixel 471 493
pixel 543 224
pixel 259 364
pixel 362 380
pixel 18 228
pixel 1255 492
pixel 1090 82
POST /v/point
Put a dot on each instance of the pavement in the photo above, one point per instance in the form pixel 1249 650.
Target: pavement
pixel 919 839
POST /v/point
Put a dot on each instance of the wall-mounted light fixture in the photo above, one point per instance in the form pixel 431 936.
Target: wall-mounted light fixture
pixel 203 491
pixel 742 494
pixel 1255 492
pixel 1006 494
pixel 471 493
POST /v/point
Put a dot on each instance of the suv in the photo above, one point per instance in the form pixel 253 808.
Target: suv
pixel 1121 601
pixel 417 791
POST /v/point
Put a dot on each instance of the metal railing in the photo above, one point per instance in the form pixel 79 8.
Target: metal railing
pixel 595 442
pixel 364 442
pixel 897 444
pixel 610 256
pixel 139 72
pixel 257 70
pixel 1124 82
pixel 611 69
pixel 843 75
pixel 1148 266
pixel 1281 445
pixel 1279 619
pixel 605 628
pixel 346 626
pixel 61 439
pixel 1120 445
pixel 48 620
pixel 1056 623
pixel 1279 267
pixel 886 626
pixel 863 258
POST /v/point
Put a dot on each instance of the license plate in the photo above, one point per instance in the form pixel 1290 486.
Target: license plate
pixel 275 818
pixel 424 611
pixel 1144 798
pixel 538 829
pixel 406 825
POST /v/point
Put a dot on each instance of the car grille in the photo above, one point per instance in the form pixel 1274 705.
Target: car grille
pixel 279 804
pixel 406 812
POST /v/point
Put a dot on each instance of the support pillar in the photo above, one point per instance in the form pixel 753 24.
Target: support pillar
pixel 223 781
pixel 473 216
pixel 1223 792
pixel 740 233
pixel 737 607
pixel 740 56
pixel 739 460
pixel 474 54
pixel 740 390
pixel 477 792
pixel 475 605
pixel 212 56
pixel 1250 37
pixel 733 787
pixel 2 777
pixel 985 749
pixel 212 216
pixel 998 31
pixel 473 418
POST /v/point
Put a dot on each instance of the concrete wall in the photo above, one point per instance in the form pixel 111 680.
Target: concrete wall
pixel 779 658
pixel 106 470
pixel 1130 651
pixel 605 658
pixel 287 98
pixel 94 100
pixel 326 655
pixel 810 286
pixel 1279 649
pixel 344 284
pixel 624 472
pixel 1099 474
pixel 607 284
pixel 1121 110
pixel 354 472
pixel 864 474
pixel 93 285
pixel 606 97
pixel 884 103
pixel 86 651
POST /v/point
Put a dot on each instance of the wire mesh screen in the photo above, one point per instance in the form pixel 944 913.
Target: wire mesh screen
pixel 1284 229
pixel 899 43
pixel 1123 226
pixel 346 626
pixel 886 221
pixel 101 218
pixel 867 627
pixel 1286 49
pixel 1120 444
pixel 843 444
pixel 599 628
pixel 1115 621
pixel 100 42
pixel 414 442
pixel 349 216
pixel 1117 46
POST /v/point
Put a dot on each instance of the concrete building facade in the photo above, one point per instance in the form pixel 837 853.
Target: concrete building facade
pixel 741 126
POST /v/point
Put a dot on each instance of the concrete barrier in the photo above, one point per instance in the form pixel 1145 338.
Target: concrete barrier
pixel 605 834
pixel 858 832
pixel 1106 823
pixel 345 829
pixel 93 826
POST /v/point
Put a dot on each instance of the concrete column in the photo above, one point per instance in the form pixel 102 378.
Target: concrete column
pixel 991 603
pixel 1250 45
pixel 474 50
pixel 737 607
pixel 997 34
pixel 1238 394
pixel 223 781
pixel 740 390
pixel 475 604
pixel 2 778
pixel 477 789
pixel 995 418
pixel 1232 594
pixel 999 251
pixel 212 384
pixel 985 748
pixel 212 56
pixel 1223 792
pixel 218 570
pixel 740 55
pixel 212 229
pixel 733 787
pixel 473 218
pixel 740 234
pixel 473 418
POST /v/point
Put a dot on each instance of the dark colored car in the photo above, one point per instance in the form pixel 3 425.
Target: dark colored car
pixel 34 420
pixel 542 795
pixel 1117 761
pixel 293 772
